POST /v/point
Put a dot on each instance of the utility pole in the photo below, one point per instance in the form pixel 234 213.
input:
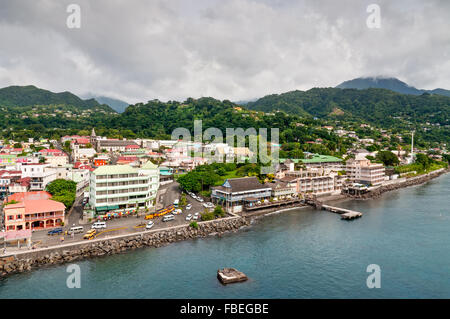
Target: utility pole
pixel 412 146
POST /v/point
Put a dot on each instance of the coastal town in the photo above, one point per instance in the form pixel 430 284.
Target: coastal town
pixel 81 188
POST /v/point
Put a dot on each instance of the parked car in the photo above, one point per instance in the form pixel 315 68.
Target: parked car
pixel 55 231
pixel 177 211
pixel 189 206
pixel 149 225
pixel 168 218
pixel 196 216
pixel 189 217
pixel 98 225
pixel 76 230
pixel 209 204
pixel 200 200
pixel 90 234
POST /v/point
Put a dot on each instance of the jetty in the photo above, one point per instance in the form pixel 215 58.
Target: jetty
pixel 230 275
pixel 346 214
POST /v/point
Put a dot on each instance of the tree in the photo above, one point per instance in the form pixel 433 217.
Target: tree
pixel 63 191
pixel 207 216
pixel 387 158
pixel 218 211
pixel 183 200
pixel 424 160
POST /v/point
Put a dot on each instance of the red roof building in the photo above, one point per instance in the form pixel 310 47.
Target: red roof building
pixel 36 195
pixel 34 214
pixel 82 141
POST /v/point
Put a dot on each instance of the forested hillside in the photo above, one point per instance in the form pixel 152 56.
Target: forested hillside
pixel 14 96
pixel 377 106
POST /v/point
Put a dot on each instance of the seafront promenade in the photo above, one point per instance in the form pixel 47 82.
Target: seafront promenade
pixel 25 260
pixel 19 260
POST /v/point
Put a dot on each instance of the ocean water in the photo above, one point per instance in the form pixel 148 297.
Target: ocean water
pixel 302 253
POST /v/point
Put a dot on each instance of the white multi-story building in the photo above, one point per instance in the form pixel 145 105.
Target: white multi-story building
pixel 83 155
pixel 122 186
pixel 365 172
pixel 318 181
pixel 57 160
pixel 40 174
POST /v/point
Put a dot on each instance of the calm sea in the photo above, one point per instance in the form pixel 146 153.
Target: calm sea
pixel 298 254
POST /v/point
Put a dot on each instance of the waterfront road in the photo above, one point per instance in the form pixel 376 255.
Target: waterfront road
pixel 127 225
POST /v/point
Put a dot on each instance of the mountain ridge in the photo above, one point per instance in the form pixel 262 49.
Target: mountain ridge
pixel 116 104
pixel 389 83
pixel 30 95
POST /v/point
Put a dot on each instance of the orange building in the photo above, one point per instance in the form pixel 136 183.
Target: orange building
pixel 34 214
pixel 100 162
pixel 35 195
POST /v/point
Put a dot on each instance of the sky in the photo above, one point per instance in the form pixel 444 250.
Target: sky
pixel 138 50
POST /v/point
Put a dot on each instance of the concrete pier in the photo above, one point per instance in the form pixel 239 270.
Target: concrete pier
pixel 345 213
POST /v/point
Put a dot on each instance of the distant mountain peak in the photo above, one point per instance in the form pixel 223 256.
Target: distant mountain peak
pixel 117 105
pixel 389 83
pixel 30 95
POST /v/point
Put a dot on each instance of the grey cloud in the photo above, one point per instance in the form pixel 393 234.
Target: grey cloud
pixel 236 49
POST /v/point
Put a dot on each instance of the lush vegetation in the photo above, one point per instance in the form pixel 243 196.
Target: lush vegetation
pixel 216 213
pixel 204 176
pixel 63 191
pixel 422 164
pixel 194 224
pixel 29 112
pixel 387 158
pixel 380 107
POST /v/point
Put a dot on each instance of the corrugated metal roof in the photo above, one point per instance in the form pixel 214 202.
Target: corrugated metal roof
pixel 114 169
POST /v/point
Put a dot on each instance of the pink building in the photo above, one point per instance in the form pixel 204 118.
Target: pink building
pixel 34 215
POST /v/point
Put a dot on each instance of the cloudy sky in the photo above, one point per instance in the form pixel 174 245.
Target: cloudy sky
pixel 229 49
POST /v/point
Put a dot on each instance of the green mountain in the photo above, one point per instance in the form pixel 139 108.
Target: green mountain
pixel 117 105
pixel 392 84
pixel 158 119
pixel 378 106
pixel 25 112
pixel 15 96
pixel 32 112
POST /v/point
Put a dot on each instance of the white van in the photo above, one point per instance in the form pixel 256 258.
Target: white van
pixel 98 225
pixel 76 230
pixel 168 218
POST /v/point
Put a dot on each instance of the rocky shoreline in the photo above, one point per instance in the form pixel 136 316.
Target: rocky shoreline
pixel 376 193
pixel 30 260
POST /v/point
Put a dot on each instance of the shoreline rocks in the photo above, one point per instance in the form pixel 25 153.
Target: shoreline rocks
pixel 409 182
pixel 59 255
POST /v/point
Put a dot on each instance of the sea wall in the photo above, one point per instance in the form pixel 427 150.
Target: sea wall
pixel 26 261
pixel 404 183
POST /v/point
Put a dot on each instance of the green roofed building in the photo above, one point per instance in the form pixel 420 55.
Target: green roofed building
pixel 115 187
pixel 318 160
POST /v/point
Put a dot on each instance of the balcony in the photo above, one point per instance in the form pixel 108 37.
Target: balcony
pixel 29 219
